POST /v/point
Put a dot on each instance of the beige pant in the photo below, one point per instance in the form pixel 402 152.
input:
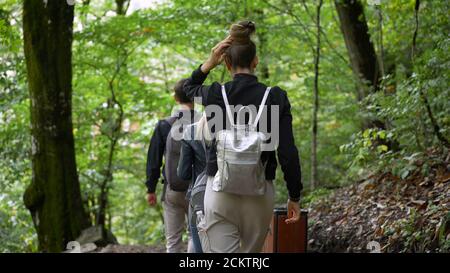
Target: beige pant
pixel 175 208
pixel 235 223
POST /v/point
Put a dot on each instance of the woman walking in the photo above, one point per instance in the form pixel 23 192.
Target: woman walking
pixel 237 216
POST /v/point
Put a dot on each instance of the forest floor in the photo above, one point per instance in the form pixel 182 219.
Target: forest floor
pixel 401 215
pixel 131 249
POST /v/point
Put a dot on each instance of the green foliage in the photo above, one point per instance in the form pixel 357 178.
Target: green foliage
pixel 401 104
pixel 315 195
pixel 137 58
pixel 17 233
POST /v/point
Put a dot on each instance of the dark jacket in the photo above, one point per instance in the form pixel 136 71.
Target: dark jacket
pixel 192 158
pixel 156 150
pixel 245 89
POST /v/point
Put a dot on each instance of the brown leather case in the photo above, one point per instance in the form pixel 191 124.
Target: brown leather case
pixel 284 238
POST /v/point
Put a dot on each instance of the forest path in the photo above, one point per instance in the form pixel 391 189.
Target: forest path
pixel 394 214
pixel 131 249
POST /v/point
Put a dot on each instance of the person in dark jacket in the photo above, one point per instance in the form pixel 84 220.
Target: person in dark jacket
pixel 234 223
pixel 174 202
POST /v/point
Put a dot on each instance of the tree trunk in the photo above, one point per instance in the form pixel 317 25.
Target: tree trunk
pixel 53 197
pixel 122 6
pixel 380 41
pixel 360 49
pixel 314 179
pixel 264 72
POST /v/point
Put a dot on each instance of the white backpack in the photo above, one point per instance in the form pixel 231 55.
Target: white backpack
pixel 240 169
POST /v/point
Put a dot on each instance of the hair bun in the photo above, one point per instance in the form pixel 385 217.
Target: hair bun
pixel 242 31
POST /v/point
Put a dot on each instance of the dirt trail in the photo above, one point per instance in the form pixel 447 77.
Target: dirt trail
pixel 131 249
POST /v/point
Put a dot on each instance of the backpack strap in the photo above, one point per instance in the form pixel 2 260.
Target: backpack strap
pixel 202 140
pixel 170 120
pixel 227 106
pixel 261 107
pixel 260 111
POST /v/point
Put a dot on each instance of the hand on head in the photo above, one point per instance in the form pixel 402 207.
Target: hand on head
pixel 239 49
pixel 217 55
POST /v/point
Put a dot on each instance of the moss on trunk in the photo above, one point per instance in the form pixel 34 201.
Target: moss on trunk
pixel 53 196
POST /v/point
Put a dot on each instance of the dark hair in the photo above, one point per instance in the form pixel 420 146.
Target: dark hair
pixel 242 50
pixel 179 93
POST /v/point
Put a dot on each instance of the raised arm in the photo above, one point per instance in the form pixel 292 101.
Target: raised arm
pixel 194 87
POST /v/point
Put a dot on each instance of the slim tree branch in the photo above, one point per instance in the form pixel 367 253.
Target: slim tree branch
pixel 314 176
pixel 380 40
